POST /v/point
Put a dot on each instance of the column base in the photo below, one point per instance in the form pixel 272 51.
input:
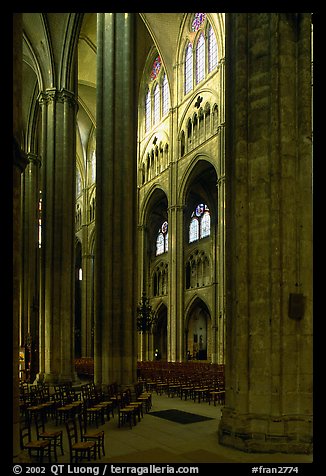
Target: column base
pixel 258 433
pixel 52 378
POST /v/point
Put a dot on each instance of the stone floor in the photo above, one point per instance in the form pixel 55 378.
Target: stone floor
pixel 154 440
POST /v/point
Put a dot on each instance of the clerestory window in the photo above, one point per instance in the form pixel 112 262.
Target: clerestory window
pixel 157 96
pixel 162 239
pixel 201 55
pixel 200 223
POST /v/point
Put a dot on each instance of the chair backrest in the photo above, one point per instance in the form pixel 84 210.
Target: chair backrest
pixel 72 432
pixel 25 433
pixel 126 397
pixel 39 423
pixel 82 420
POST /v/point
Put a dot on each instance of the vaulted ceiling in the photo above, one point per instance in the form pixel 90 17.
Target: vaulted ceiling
pixel 45 39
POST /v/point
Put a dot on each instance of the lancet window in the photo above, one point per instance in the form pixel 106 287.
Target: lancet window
pixel 200 223
pixel 157 95
pixel 162 239
pixel 202 45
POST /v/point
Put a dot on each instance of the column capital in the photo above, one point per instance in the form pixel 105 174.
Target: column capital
pixel 34 159
pixel 56 95
pixel 177 208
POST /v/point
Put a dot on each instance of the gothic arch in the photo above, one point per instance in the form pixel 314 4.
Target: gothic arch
pixel 155 193
pixel 200 164
pixel 198 329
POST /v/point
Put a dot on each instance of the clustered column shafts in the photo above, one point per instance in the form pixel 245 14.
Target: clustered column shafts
pixel 58 235
pixel 116 218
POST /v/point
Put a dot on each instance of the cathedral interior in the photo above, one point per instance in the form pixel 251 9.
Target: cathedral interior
pixel 162 208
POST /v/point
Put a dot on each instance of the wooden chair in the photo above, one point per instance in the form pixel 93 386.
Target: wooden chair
pixel 126 415
pixel 46 402
pixel 36 448
pixel 144 397
pixel 78 449
pixel 55 437
pixel 137 405
pixel 89 435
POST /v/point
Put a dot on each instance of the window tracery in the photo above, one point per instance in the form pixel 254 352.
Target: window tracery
pixel 162 239
pixel 195 64
pixel 197 270
pixel 160 279
pixel 157 95
pixel 199 128
pixel 200 223
pixel 198 21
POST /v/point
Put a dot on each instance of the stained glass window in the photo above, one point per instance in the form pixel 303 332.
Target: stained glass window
pixel 200 59
pixel 93 167
pixel 212 50
pixel 160 244
pixel 78 183
pixel 193 230
pixel 188 69
pixel 205 225
pixel 200 223
pixel 165 96
pixel 148 111
pixel 199 210
pixel 162 239
pixel 156 68
pixel 198 21
pixel 156 104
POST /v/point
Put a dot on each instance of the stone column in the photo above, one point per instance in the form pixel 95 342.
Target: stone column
pixel 269 227
pixel 172 322
pixel 116 201
pixel 142 339
pixel 221 230
pixel 87 302
pixel 58 234
pixel 220 262
pixel 30 269
pixel 19 163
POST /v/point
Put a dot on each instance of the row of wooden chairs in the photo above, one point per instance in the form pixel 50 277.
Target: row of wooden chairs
pixel 83 442
pixel 96 403
pixel 169 370
pixel 188 388
pixel 77 414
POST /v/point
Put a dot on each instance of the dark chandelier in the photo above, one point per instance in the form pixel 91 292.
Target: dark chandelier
pixel 145 315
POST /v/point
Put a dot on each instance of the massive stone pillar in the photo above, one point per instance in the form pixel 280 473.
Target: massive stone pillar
pixel 58 235
pixel 116 201
pixel 269 233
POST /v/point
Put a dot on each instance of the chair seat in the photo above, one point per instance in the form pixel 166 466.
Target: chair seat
pixel 83 445
pixel 50 434
pixel 37 444
pixel 126 414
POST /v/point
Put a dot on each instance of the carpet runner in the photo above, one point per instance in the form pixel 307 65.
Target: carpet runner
pixel 179 416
